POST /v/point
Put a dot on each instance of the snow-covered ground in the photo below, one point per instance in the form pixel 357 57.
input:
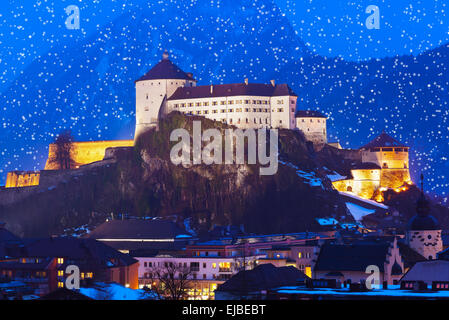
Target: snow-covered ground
pixel 335 176
pixel 393 291
pixel 372 202
pixel 327 221
pixel 114 291
pixel 309 177
pixel 357 211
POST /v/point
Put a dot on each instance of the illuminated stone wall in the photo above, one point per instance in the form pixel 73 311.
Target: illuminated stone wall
pixel 394 173
pixel 392 158
pixel 364 183
pixel 16 179
pixel 87 152
pixel 394 178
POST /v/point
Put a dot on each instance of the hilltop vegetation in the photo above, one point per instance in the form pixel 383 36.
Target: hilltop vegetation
pixel 143 182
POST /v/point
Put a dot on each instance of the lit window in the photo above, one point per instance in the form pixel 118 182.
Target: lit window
pixel 60 260
pixel 60 284
pixel 60 273
pixel 299 255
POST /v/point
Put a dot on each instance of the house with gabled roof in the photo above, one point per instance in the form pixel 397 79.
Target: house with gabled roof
pixel 353 262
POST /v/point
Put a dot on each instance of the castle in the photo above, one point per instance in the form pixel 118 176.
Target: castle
pixel 382 163
pixel 167 88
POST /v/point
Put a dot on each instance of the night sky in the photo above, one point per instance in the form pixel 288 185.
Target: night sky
pixel 53 78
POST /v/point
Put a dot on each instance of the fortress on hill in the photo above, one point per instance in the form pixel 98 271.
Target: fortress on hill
pixel 381 164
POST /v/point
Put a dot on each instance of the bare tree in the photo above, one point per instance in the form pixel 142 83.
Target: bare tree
pixel 64 151
pixel 172 280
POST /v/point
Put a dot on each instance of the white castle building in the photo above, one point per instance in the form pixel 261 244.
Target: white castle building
pixel 166 88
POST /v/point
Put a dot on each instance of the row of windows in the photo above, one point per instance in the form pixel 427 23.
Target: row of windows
pixel 311 120
pixel 224 102
pixel 388 149
pixel 305 255
pixel 240 121
pixel 193 265
pixel 385 165
pixel 214 111
pixel 220 277
pixel 83 275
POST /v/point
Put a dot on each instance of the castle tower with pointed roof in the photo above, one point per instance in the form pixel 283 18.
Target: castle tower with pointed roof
pixel 391 156
pixel 153 89
pixel 423 231
pixel 384 163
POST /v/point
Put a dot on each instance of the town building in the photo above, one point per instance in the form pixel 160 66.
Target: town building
pixel 423 231
pixel 431 272
pixel 141 234
pixel 205 273
pixel 255 283
pixel 41 263
pixel 349 262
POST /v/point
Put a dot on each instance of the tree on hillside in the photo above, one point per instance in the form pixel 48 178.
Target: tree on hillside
pixel 63 155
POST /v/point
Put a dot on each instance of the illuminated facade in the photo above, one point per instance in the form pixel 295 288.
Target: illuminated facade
pixel 16 179
pixel 385 164
pixel 206 273
pixel 86 152
pixel 167 88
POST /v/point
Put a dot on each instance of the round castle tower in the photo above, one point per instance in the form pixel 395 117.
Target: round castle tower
pixel 154 88
pixel 423 232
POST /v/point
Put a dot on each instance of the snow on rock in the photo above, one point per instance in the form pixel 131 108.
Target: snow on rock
pixel 309 177
pixel 357 211
pixel 371 202
pixel 336 176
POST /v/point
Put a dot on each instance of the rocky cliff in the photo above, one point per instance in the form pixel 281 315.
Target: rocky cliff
pixel 142 181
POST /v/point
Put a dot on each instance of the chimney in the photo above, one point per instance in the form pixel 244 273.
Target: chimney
pixel 211 89
pixel 272 83
pixel 165 55
pixel 246 80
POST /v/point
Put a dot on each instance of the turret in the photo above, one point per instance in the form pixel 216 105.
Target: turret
pixel 423 231
pixel 313 125
pixel 153 89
